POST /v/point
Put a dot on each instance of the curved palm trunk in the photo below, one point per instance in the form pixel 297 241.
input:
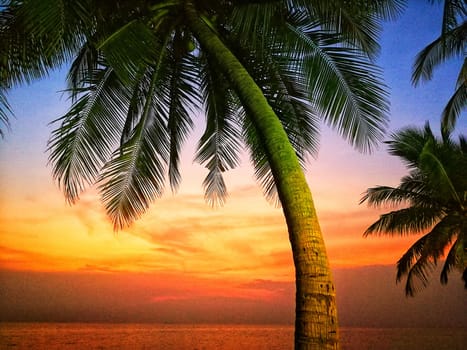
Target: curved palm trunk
pixel 316 314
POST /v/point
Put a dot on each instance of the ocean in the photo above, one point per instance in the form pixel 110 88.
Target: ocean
pixel 88 336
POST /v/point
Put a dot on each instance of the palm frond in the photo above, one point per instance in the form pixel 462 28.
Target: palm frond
pixel 453 109
pixel 414 190
pixel 52 21
pixel 453 9
pixel 86 62
pixel 5 112
pixel 405 221
pixel 358 25
pixel 463 144
pixel 219 146
pixel 38 36
pixel 411 191
pixel 436 173
pixel 462 77
pixel 419 272
pixel 452 260
pixel 256 23
pixel 129 49
pixel 135 175
pixel 388 10
pixel 84 140
pixel 181 95
pixel 343 85
pixel 408 144
pixel 136 105
pixel 424 254
pixel 20 54
pixel 450 44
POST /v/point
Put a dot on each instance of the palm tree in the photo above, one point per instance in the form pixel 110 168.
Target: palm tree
pixel 435 198
pixel 450 44
pixel 265 73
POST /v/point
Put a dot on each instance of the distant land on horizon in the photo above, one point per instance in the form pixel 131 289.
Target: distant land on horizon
pixel 367 297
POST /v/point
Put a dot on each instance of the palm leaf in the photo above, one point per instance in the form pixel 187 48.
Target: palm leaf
pixel 86 62
pixel 134 176
pixel 5 112
pixel 20 53
pixel 450 44
pixel 254 22
pixel 136 105
pixel 343 86
pixel 87 133
pixel 436 173
pixel 219 146
pixel 405 221
pixel 129 49
pixel 358 25
pixel 423 255
pixel 408 144
pixel 452 260
pixel 456 104
pixel 452 9
pixel 39 35
pixel 411 191
pixel 181 93
pixel 418 272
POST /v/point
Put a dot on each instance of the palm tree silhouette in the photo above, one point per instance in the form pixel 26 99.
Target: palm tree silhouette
pixel 434 195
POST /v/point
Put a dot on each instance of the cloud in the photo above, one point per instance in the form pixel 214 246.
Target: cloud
pixel 281 258
pixel 21 259
pixel 168 298
pixel 272 290
pixel 97 268
pixel 91 214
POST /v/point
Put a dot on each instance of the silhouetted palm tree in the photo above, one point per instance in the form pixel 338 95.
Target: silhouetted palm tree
pixel 450 44
pixel 434 202
pixel 264 72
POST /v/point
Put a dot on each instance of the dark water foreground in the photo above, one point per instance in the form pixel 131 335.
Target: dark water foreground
pixel 51 336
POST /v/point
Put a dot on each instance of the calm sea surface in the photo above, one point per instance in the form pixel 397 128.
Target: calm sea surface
pixel 51 336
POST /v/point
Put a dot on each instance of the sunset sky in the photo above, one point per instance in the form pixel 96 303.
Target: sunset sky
pixel 187 262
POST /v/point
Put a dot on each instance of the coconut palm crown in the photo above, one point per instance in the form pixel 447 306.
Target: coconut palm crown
pixel 434 203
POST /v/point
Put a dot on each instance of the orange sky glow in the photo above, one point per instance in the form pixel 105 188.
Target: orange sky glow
pixel 245 238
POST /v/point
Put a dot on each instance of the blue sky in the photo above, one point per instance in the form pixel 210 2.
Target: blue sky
pixel 402 39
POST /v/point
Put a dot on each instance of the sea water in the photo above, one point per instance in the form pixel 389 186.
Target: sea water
pixel 52 336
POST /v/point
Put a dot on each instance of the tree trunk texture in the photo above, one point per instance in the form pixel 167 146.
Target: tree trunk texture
pixel 316 324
